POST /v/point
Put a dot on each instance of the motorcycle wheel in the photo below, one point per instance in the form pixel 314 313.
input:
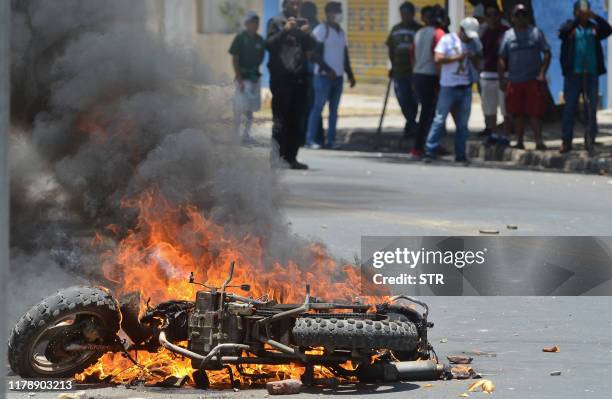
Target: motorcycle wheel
pixel 355 333
pixel 36 347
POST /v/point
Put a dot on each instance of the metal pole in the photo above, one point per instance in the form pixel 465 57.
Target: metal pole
pixel 4 179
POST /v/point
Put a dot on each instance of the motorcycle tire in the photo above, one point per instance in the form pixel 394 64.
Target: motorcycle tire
pixel 53 319
pixel 355 334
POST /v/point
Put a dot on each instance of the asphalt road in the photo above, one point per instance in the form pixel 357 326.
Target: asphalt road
pixel 345 195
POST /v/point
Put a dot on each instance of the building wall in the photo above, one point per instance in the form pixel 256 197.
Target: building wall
pixel 197 25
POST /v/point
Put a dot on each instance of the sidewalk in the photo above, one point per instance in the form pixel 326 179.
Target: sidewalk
pixel 360 115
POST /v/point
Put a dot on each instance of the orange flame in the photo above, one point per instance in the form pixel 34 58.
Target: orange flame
pixel 168 243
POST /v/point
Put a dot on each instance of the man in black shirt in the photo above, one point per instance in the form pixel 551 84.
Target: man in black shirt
pixel 400 43
pixel 290 45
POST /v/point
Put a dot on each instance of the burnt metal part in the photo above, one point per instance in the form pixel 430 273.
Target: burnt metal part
pixel 129 305
pixel 171 316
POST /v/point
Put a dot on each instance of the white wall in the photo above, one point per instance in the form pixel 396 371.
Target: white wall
pixel 456 12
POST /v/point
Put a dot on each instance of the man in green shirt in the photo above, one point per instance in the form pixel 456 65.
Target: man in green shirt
pixel 247 52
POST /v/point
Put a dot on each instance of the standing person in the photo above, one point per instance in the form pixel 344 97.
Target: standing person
pixel 491 95
pixel 401 53
pixel 332 61
pixel 458 54
pixel 425 78
pixel 247 52
pixel 582 62
pixel 310 12
pixel 525 55
pixel 290 46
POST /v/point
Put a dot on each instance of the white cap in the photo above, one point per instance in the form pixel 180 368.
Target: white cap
pixel 249 16
pixel 470 27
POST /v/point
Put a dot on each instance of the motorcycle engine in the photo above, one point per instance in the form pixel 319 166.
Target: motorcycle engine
pixel 210 324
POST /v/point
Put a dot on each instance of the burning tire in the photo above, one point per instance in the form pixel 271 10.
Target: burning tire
pixel 356 333
pixel 38 344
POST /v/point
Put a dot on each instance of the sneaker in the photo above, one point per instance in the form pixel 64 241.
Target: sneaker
pixel 428 158
pixel 298 165
pixel 415 155
pixel 541 147
pixel 313 146
pixel 485 133
pixel 519 146
pixel 335 146
pixel 494 139
pixel 565 148
pixel 463 160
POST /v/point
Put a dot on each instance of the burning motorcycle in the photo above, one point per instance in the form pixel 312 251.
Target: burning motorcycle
pixel 69 331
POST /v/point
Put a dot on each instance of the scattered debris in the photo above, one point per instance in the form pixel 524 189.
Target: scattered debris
pixel 555 373
pixel 462 372
pixel 552 349
pixel 428 386
pixel 285 387
pixel 489 231
pixel 477 352
pixel 460 359
pixel 464 395
pixel 512 227
pixel 486 386
pixel 172 382
pixel 444 340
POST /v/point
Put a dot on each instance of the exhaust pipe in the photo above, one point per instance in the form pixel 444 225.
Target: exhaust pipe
pixel 419 370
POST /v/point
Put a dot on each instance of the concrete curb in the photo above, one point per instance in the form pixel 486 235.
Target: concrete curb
pixel 577 161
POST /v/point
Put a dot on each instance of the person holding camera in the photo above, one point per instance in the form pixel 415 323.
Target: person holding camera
pixel 290 45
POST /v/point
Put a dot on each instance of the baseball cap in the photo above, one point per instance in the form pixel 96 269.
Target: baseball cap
pixel 519 8
pixel 470 27
pixel 249 16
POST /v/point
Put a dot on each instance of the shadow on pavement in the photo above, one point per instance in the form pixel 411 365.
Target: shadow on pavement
pixel 363 389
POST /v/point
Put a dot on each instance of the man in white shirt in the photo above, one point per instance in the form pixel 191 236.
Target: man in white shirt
pixel 331 62
pixel 457 54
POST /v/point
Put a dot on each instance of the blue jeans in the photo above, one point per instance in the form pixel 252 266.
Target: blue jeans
pixel 573 86
pixel 407 99
pixel 450 97
pixel 325 90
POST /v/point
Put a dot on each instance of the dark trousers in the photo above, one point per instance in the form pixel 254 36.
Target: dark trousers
pixel 320 136
pixel 289 103
pixel 573 86
pixel 426 88
pixel 404 92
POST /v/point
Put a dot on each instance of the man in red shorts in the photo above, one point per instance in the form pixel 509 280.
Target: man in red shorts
pixel 524 58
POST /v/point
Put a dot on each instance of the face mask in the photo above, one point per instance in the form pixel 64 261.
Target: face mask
pixel 338 18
